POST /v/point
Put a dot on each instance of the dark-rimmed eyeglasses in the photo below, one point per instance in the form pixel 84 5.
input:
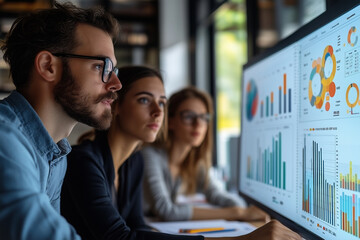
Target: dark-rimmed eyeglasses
pixel 190 117
pixel 108 67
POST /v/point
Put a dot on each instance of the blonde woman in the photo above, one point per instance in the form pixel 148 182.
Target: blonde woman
pixel 181 165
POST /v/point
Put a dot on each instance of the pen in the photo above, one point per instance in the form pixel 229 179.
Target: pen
pixel 223 230
pixel 198 230
pixel 207 230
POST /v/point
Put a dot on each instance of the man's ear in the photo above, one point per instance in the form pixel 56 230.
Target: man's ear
pixel 47 65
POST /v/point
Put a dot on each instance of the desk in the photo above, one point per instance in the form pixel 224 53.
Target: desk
pixel 240 228
pixel 199 200
pixel 257 224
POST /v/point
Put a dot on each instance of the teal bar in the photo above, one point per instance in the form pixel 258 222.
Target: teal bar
pixel 280 156
pixel 279 170
pixel 276 168
pixel 273 174
pixel 284 176
pixel 276 151
pixel 267 106
pixel 264 168
pixel 333 203
pixel 268 166
pixel 280 100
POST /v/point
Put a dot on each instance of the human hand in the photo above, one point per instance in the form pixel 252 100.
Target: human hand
pixel 253 213
pixel 273 230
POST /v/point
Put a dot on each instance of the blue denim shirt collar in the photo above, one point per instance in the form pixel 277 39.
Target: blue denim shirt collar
pixel 35 129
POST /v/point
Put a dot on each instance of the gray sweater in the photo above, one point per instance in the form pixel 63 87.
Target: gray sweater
pixel 160 189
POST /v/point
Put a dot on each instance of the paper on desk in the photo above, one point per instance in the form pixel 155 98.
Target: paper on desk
pixel 174 227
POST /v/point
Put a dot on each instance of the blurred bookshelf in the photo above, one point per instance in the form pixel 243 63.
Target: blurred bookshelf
pixel 139 35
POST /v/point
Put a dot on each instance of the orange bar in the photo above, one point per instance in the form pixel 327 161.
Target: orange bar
pixel 272 97
pixel 354 224
pixel 346 223
pixel 307 205
pixel 284 83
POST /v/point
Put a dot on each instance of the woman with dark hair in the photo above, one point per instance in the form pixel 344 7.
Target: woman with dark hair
pixel 101 195
pixel 180 165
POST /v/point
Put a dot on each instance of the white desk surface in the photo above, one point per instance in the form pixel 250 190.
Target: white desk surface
pixel 241 228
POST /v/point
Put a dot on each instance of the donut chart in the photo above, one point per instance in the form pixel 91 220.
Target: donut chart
pixel 353 104
pixel 351 31
pixel 327 86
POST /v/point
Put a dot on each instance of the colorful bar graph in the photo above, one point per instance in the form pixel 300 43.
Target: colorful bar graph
pixel 284 100
pixel 350 214
pixel 269 168
pixel 318 195
pixel 350 181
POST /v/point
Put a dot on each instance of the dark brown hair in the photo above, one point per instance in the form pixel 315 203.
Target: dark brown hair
pixel 128 75
pixel 52 30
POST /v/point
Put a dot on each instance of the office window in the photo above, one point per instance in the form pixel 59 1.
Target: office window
pixel 230 55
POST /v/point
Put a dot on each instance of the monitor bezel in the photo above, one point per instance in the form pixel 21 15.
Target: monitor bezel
pixel 329 15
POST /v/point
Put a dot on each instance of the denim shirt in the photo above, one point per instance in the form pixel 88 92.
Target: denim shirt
pixel 32 169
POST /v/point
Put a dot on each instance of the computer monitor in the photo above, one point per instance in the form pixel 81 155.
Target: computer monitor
pixel 299 152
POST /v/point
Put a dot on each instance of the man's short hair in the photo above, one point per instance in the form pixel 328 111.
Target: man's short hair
pixel 52 30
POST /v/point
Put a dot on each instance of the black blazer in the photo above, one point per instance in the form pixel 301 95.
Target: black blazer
pixel 88 198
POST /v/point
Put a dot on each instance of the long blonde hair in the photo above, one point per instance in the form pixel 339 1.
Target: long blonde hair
pixel 199 158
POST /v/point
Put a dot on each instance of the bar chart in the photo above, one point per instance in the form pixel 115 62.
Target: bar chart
pixel 318 193
pixel 350 180
pixel 350 214
pixel 269 167
pixel 267 108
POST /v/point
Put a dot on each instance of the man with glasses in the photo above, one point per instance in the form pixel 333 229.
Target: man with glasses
pixel 62 64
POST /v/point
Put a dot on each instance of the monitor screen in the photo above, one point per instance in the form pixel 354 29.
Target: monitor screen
pixel 300 127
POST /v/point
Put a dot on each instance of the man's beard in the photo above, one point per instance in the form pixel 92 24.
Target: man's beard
pixel 79 106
